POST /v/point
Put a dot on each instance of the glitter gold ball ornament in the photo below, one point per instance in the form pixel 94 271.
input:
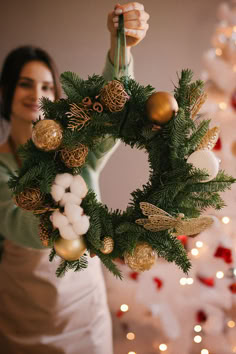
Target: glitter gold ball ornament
pixel 70 250
pixel 108 245
pixel 113 96
pixel 74 157
pixel 205 160
pixel 160 107
pixel 142 258
pixel 47 135
pixel 30 199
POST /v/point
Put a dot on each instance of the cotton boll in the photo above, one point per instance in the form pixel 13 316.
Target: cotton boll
pixel 57 192
pixel 64 180
pixel 68 233
pixel 70 198
pixel 81 226
pixel 58 219
pixel 73 212
pixel 79 187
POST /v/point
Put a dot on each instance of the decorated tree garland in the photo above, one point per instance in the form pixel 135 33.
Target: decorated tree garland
pixel 184 178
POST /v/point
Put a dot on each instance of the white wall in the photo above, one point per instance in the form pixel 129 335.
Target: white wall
pixel 74 32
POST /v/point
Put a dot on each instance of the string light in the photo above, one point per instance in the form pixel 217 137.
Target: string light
pixel 234 28
pixel 223 106
pixel 197 328
pixel 220 275
pixel 131 352
pixel 225 220
pixel 197 339
pixel 231 324
pixel 199 244
pixel 189 281
pixel 204 351
pixel 218 51
pixel 234 68
pixel 163 347
pixel 183 281
pixel 124 308
pixel 234 349
pixel 130 336
pixel 194 251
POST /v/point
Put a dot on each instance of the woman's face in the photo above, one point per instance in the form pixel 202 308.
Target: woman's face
pixel 35 81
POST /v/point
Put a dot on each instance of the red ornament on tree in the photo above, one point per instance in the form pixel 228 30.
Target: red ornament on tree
pixel 134 275
pixel 233 100
pixel 207 281
pixel 232 288
pixel 224 253
pixel 201 316
pixel 159 282
pixel 183 239
pixel 218 145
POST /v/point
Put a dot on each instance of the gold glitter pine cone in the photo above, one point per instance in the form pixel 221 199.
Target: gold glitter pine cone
pixel 47 135
pixel 74 157
pixel 108 245
pixel 30 199
pixel 142 258
pixel 113 96
pixel 43 235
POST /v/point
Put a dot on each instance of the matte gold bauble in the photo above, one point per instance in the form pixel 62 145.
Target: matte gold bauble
pixel 108 245
pixel 160 107
pixel 70 250
pixel 47 135
pixel 74 157
pixel 29 199
pixel 142 258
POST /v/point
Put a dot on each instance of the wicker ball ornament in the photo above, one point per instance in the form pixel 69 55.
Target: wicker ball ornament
pixel 113 96
pixel 143 257
pixel 30 199
pixel 47 135
pixel 160 107
pixel 108 245
pixel 74 157
pixel 70 250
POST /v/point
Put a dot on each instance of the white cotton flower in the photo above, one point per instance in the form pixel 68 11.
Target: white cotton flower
pixel 57 192
pixel 68 233
pixel 58 219
pixel 81 226
pixel 73 212
pixel 70 198
pixel 64 180
pixel 79 187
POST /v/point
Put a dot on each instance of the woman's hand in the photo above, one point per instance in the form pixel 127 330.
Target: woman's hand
pixel 135 24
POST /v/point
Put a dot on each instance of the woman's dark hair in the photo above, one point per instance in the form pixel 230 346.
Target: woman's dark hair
pixel 11 70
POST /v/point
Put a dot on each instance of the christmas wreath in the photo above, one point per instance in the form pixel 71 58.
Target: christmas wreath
pixel 184 172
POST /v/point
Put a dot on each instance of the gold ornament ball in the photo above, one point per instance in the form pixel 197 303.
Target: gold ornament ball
pixel 160 107
pixel 142 258
pixel 70 250
pixel 233 148
pixel 108 245
pixel 47 135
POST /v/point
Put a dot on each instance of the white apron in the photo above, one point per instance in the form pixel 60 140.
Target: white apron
pixel 40 313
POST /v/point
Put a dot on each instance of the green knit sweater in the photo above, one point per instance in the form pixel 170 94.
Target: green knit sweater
pixel 21 226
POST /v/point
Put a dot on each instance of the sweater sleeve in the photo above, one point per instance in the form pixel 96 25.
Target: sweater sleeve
pixel 17 225
pixel 98 158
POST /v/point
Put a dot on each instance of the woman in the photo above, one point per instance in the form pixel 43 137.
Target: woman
pixel 40 313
